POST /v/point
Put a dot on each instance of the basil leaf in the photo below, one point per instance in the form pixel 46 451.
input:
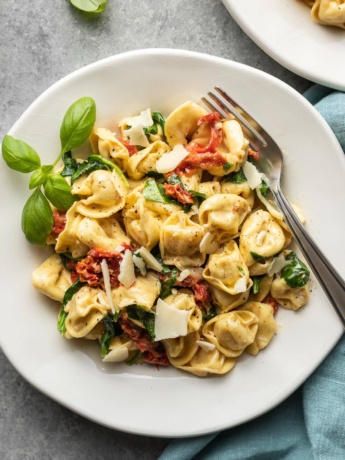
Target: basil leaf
pixel 59 192
pixel 264 188
pixel 77 123
pixel 155 192
pixel 70 164
pixel 297 273
pixel 87 167
pixel 90 6
pixel 237 177
pixel 19 155
pixel 61 324
pixel 37 218
pixel 111 165
pixel 256 283
pixel 40 176
pixel 158 118
pixel 201 196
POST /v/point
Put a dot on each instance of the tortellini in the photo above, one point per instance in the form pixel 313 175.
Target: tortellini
pixel 180 240
pixel 170 261
pixel 104 191
pixel 85 310
pixel 261 237
pixel 227 271
pixel 232 332
pixel 328 12
pixel 288 297
pixel 51 278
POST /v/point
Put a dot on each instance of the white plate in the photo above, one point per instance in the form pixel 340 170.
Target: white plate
pixel 168 402
pixel 285 30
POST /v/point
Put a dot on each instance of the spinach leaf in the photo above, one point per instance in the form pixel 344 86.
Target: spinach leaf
pixel 139 313
pixel 77 123
pixel 70 164
pixel 212 312
pixel 257 257
pixel 67 297
pixel 93 163
pixel 169 282
pixel 37 218
pixel 19 155
pixel 135 358
pixel 297 273
pixel 256 283
pixel 264 188
pixel 40 176
pixel 227 166
pixel 112 329
pixel 59 192
pixel 153 191
pixel 90 6
pixel 237 177
pixel 158 119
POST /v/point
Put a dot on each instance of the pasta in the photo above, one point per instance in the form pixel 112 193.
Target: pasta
pixel 328 12
pixel 167 256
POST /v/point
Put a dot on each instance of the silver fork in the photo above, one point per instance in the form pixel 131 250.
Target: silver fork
pixel 270 163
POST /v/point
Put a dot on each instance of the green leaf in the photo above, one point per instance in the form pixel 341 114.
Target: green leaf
pixel 297 273
pixel 37 218
pixel 155 192
pixel 40 176
pixel 90 6
pixel 237 177
pixel 257 257
pixel 111 165
pixel 19 155
pixel 256 283
pixel 112 329
pixel 58 192
pixel 61 325
pixel 264 188
pixel 226 166
pixel 212 312
pixel 146 317
pixel 77 123
pixel 135 358
pixel 70 164
pixel 158 118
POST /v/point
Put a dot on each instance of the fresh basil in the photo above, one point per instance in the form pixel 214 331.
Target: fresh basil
pixel 58 192
pixel 90 6
pixel 37 218
pixel 237 177
pixel 256 283
pixel 40 176
pixel 146 317
pixel 61 324
pixel 77 123
pixel 264 188
pixel 296 274
pixel 70 164
pixel 257 257
pixel 158 119
pixel 93 163
pixel 19 155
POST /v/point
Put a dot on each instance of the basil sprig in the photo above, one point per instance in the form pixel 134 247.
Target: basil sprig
pixel 37 215
pixel 90 6
pixel 296 274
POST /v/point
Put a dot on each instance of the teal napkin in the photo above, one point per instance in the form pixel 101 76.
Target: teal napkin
pixel 310 424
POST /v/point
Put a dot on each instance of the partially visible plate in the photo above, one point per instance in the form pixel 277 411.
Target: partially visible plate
pixel 285 30
pixel 142 399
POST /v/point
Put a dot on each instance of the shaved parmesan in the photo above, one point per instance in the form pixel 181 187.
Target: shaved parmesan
pixel 116 356
pixel 150 260
pixel 169 161
pixel 106 279
pixel 270 205
pixel 136 133
pixel 170 322
pixel 127 275
pixel 206 346
pixel 183 275
pixel 206 241
pixel 119 248
pixel 240 285
pixel 140 264
pixel 252 175
pixel 277 264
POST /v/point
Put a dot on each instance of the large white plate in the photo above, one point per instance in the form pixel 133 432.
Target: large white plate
pixel 285 30
pixel 167 402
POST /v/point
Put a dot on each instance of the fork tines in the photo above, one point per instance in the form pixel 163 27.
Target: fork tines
pixel 232 110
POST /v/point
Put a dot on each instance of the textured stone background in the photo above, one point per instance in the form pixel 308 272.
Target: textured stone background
pixel 40 42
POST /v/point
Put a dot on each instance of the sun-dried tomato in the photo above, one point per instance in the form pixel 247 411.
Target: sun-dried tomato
pixel 132 149
pixel 59 222
pixel 271 301
pixel 179 193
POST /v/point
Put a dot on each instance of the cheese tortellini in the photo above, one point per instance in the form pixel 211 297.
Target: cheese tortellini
pixel 328 12
pixel 167 256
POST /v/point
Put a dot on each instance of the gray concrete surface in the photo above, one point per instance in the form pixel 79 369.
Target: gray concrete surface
pixel 40 42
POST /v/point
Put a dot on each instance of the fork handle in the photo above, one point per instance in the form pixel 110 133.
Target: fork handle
pixel 329 279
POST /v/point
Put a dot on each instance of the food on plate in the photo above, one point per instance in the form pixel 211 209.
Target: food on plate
pixel 166 246
pixel 328 12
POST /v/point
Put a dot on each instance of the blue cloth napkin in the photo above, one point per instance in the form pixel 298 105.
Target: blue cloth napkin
pixel 310 424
